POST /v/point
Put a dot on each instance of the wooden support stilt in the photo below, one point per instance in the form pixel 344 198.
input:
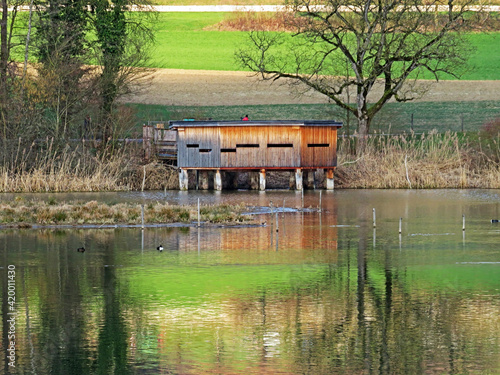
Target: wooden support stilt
pixel 183 179
pixel 217 180
pixel 330 185
pixel 298 179
pixel 262 180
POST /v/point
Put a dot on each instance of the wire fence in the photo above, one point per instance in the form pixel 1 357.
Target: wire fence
pixel 396 118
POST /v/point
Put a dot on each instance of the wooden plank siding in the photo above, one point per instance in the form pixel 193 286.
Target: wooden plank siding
pixel 256 145
pixel 243 141
pixel 198 147
pixel 282 157
pixel 319 147
pixel 259 147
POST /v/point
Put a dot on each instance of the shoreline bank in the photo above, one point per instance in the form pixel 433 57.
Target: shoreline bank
pixel 92 214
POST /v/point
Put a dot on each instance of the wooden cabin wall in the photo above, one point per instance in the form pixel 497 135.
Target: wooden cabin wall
pixel 283 156
pixel 198 147
pixel 238 151
pixel 319 156
pixel 240 140
pixel 257 147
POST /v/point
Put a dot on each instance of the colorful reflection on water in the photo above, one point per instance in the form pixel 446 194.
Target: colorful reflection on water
pixel 326 293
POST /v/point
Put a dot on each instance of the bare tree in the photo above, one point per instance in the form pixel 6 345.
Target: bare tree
pixel 387 44
pixel 7 26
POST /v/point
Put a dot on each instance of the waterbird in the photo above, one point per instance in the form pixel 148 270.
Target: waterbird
pixel 159 248
pixel 494 220
pixel 81 249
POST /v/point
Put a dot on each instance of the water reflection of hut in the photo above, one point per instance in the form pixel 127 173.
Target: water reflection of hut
pixel 255 147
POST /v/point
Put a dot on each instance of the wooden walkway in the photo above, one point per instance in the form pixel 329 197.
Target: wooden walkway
pixel 159 142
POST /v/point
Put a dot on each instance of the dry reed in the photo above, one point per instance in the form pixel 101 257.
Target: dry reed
pixel 43 166
pixel 287 21
pixel 249 21
pixel 407 161
pixel 418 161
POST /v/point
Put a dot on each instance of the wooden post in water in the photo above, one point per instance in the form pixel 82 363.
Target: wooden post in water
pixel 320 201
pixel 198 212
pixel 400 222
pixel 463 222
pixel 271 220
pixel 374 218
pixel 142 241
pixel 142 216
pixel 198 241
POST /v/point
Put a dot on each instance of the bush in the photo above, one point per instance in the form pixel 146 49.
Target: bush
pixel 491 129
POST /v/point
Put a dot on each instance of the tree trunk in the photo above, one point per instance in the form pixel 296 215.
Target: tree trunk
pixel 363 123
pixel 4 58
pixel 28 36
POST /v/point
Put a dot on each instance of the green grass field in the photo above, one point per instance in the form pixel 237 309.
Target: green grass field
pixel 247 2
pixel 188 41
pixel 191 41
pixel 183 42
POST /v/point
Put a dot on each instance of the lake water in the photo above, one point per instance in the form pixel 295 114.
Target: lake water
pixel 325 294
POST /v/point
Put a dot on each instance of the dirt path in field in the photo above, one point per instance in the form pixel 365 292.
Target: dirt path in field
pixel 200 87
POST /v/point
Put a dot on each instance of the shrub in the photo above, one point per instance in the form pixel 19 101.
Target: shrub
pixel 491 129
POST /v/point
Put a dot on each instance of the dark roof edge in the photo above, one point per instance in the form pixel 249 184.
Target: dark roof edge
pixel 177 124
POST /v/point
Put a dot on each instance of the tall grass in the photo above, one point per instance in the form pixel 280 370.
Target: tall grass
pixel 426 161
pixel 432 160
pixel 44 166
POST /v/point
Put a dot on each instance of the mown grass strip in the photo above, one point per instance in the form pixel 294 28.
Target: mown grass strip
pixel 394 118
